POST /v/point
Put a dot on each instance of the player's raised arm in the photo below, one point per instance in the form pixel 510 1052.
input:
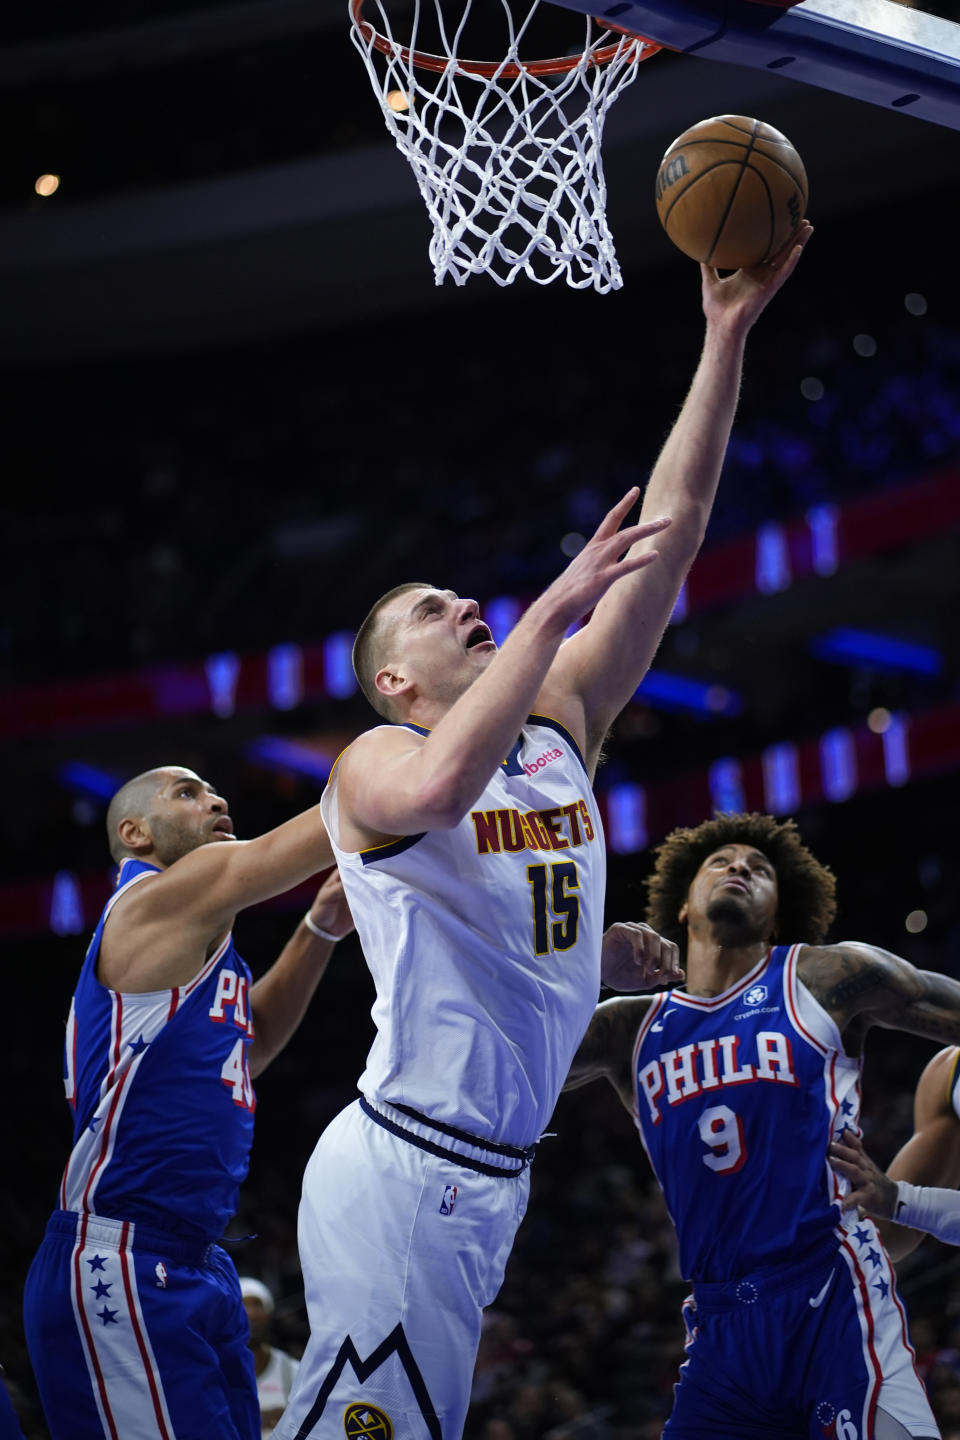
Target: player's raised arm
pixel 397 782
pixel 600 667
pixel 280 997
pixel 204 877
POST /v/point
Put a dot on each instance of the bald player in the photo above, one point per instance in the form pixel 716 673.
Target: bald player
pixel 133 1313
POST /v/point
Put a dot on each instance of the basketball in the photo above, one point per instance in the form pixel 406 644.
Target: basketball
pixel 731 191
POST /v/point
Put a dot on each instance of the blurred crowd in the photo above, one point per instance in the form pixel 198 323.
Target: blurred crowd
pixel 241 499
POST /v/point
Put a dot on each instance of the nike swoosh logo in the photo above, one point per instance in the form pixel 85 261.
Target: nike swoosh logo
pixel 657 1025
pixel 817 1300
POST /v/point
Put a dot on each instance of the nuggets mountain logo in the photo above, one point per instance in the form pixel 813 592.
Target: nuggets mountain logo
pixel 366 1421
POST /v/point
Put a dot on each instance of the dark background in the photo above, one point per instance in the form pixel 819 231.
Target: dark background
pixel 236 409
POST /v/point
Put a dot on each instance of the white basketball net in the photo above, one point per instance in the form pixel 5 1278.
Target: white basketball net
pixel 509 165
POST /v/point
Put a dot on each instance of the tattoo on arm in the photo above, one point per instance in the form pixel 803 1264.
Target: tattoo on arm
pixel 854 981
pixel 606 1047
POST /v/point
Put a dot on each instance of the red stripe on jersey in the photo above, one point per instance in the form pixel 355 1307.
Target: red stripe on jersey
pixel 117 1022
pixel 105 1142
pixel 871 1348
pixel 202 975
pixel 793 1009
pixel 91 1348
pixel 653 1011
pixel 138 1333
pixel 903 1327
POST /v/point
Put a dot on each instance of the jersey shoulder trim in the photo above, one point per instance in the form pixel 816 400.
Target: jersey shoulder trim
pixel 807 1015
pixel 953 1082
pixel 388 848
pixel 561 730
pixel 716 1002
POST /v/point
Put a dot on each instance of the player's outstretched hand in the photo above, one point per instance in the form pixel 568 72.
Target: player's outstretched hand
pixel 872 1192
pixel 634 957
pixel 604 559
pixel 740 297
pixel 330 911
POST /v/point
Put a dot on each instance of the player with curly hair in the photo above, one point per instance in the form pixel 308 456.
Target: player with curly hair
pixel 738 1083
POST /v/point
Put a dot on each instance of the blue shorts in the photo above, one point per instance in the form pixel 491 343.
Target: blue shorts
pixel 809 1349
pixel 137 1335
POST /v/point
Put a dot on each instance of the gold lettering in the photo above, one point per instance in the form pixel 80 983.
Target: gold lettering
pixel 551 822
pixel 485 824
pixel 511 831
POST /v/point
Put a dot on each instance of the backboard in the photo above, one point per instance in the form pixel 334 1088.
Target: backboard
pixel 880 51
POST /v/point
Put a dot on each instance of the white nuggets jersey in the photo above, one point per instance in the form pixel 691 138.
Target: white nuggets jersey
pixel 484 944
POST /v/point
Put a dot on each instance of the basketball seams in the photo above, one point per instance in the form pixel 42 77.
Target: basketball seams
pixel 771 213
pixel 732 196
pixel 693 180
pixel 780 165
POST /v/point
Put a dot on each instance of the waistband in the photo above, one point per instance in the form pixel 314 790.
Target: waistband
pixel 761 1286
pixel 470 1151
pixel 111 1234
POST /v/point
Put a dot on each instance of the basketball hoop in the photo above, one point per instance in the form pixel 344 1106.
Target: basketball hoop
pixel 506 152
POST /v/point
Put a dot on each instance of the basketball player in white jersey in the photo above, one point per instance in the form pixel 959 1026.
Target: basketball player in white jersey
pixel 133 1314
pixel 919 1190
pixel 742 1085
pixel 470 848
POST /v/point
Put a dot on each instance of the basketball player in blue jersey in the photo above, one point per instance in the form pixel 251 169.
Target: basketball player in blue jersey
pixel 919 1190
pixel 738 1083
pixel 133 1313
pixel 470 848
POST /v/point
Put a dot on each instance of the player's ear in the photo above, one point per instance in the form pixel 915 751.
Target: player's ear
pixel 391 682
pixel 134 834
pixel 682 913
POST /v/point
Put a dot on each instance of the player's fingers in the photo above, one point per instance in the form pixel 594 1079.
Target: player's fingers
pixel 622 540
pixel 790 253
pixel 615 516
pixel 671 956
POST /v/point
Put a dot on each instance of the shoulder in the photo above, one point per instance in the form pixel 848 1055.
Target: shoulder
pixel 850 962
pixel 378 744
pixel 935 1087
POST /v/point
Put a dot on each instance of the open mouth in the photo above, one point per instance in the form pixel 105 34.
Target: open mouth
pixel 224 826
pixel 479 635
pixel 738 885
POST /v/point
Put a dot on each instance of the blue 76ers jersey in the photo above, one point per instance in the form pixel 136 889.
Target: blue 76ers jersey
pixel 161 1092
pixel 736 1099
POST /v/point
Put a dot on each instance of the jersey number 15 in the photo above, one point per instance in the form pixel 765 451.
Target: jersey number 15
pixel 555 923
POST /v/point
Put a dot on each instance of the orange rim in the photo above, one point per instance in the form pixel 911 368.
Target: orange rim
pixel 488 68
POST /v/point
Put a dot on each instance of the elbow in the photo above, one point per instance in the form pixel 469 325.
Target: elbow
pixel 445 801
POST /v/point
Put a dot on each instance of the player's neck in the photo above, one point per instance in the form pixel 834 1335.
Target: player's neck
pixel 428 710
pixel 713 967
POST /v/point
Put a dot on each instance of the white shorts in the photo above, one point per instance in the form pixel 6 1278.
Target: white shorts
pixel 400 1249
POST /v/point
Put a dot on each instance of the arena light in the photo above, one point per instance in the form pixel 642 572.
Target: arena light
pixel 87 780
pixel 846 646
pixel 291 757
pixel 47 185
pixel 664 691
pixel 338 675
